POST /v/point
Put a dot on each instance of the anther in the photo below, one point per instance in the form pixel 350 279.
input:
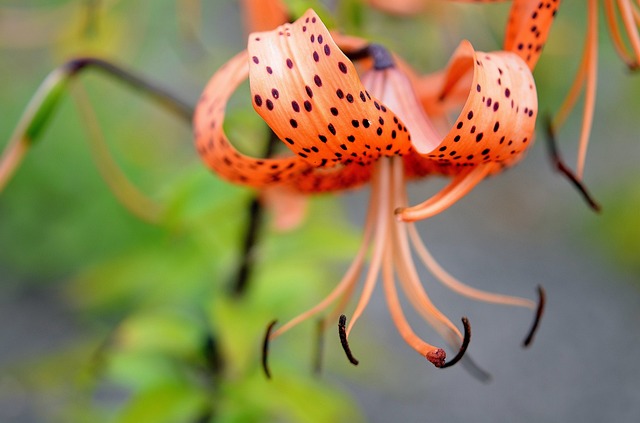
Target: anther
pixel 265 349
pixel 382 58
pixel 536 322
pixel 463 347
pixel 342 331
pixel 564 169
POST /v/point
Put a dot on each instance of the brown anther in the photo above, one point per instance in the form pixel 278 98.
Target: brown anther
pixel 382 58
pixel 564 169
pixel 463 347
pixel 437 357
pixel 536 322
pixel 342 331
pixel 265 349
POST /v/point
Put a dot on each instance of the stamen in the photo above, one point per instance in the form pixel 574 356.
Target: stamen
pixel 434 354
pixel 342 331
pixel 463 347
pixel 265 349
pixel 536 322
pixel 382 58
pixel 381 185
pixel 591 49
pixel 629 20
pixel 616 36
pixel 564 169
pixel 345 287
pixel 454 284
pixel 408 275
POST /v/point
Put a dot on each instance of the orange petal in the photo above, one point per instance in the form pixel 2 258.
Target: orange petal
pixel 497 121
pixel 263 15
pixel 213 145
pixel 395 89
pixel 310 94
pixel 220 155
pixel 288 207
pixel 399 7
pixel 528 28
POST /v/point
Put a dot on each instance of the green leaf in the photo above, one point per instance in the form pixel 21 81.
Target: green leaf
pixel 167 332
pixel 169 403
pixel 286 397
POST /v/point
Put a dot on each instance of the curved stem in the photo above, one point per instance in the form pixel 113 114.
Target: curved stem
pixel 127 193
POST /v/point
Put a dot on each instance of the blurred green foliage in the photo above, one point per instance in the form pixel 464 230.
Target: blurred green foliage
pixel 159 333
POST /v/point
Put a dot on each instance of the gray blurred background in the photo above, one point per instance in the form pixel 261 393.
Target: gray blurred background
pixel 522 228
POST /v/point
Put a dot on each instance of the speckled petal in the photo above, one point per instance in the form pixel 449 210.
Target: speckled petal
pixel 497 121
pixel 528 28
pixel 213 144
pixel 223 158
pixel 310 94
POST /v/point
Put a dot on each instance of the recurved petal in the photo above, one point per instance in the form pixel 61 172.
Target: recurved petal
pixel 223 158
pixel 310 94
pixel 528 28
pixel 497 121
pixel 213 144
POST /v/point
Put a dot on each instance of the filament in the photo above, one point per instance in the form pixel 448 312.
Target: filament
pixel 454 284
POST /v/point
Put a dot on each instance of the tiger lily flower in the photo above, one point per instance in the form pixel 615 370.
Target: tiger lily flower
pixel 346 128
